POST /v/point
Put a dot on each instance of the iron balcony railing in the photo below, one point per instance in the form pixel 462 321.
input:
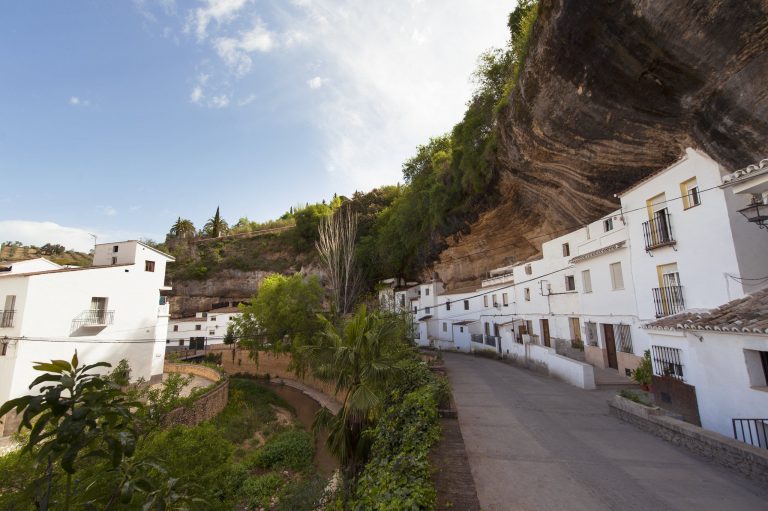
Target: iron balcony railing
pixel 668 300
pixel 478 338
pixel 93 317
pixel 751 431
pixel 491 340
pixel 658 231
pixel 6 318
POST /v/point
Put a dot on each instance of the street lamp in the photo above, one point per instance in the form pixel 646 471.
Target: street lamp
pixel 756 212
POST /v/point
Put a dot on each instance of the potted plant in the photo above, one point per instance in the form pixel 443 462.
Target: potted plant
pixel 644 372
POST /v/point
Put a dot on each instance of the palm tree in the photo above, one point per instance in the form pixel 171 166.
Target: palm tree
pixel 183 228
pixel 360 358
pixel 216 226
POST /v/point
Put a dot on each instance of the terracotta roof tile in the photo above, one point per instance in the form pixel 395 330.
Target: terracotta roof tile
pixel 747 315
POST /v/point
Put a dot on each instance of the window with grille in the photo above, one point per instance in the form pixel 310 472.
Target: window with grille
pixel 591 329
pixel 667 362
pixel 623 336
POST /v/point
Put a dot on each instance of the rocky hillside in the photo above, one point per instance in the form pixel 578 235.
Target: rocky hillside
pixel 611 91
pixel 13 252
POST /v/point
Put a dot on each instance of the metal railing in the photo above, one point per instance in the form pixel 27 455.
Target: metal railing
pixel 6 318
pixel 667 362
pixel 623 336
pixel 658 231
pixel 491 340
pixel 93 317
pixel 478 338
pixel 668 300
pixel 751 431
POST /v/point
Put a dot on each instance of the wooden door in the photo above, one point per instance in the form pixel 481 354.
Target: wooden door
pixel 610 346
pixel 545 332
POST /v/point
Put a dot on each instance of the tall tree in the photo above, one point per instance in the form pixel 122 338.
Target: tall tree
pixel 216 226
pixel 336 246
pixel 183 228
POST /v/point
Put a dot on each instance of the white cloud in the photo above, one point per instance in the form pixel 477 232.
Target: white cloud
pixel 316 82
pixel 108 210
pixel 76 101
pixel 40 233
pixel 197 94
pixel 235 51
pixel 220 11
pixel 221 101
pixel 396 76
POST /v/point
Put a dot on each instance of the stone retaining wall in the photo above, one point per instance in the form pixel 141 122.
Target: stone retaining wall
pixel 277 366
pixel 745 459
pixel 204 407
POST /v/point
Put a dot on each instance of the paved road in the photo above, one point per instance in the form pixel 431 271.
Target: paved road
pixel 537 444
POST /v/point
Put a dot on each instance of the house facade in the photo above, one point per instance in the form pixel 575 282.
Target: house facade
pixel 110 311
pixel 202 330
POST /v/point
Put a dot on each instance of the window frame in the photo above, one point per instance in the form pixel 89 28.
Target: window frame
pixel 686 187
pixel 505 299
pixel 566 249
pixel 570 283
pixel 608 224
pixel 175 328
pixel 149 266
pixel 614 282
pixel 527 294
pixel 466 305
pixel 447 305
pixel 586 281
pixel 198 327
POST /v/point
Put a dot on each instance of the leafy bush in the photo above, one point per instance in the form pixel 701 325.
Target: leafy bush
pixel 247 410
pixel 258 491
pixel 289 449
pixel 302 494
pixel 643 375
pixel 398 473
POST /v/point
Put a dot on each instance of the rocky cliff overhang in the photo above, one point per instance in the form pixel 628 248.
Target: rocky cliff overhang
pixel 610 92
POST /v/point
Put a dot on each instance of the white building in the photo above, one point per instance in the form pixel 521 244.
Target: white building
pixel 396 294
pixel 424 304
pixel 110 311
pixel 203 330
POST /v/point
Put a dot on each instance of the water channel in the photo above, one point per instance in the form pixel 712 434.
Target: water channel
pixel 305 408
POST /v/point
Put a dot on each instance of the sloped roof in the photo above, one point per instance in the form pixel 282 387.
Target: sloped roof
pixel 755 169
pixel 466 322
pixel 598 252
pixel 424 318
pixel 748 315
pixel 223 310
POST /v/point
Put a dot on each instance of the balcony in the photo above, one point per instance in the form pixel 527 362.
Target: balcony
pixel 6 318
pixel 658 231
pixel 668 300
pixel 93 318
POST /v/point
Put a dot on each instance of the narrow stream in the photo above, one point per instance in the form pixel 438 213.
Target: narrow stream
pixel 305 408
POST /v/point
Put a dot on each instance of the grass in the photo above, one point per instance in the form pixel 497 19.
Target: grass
pixel 637 398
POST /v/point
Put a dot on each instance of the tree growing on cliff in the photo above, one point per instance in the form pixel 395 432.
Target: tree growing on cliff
pixel 336 246
pixel 216 226
pixel 182 228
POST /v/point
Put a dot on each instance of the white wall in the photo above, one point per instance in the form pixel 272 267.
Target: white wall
pixel 716 366
pixel 30 265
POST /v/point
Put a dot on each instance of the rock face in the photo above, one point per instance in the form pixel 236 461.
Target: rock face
pixel 610 92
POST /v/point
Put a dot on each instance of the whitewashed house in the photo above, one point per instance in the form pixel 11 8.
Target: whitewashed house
pixel 395 294
pixel 424 305
pixel 458 318
pixel 110 311
pixel 203 330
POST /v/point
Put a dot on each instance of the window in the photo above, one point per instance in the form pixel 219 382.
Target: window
pixel 427 310
pixel 566 250
pixel 3 349
pixel 485 300
pixel 211 332
pixel 757 367
pixel 505 299
pixel 212 318
pixel 181 342
pixel 570 283
pixel 487 328
pixel 426 291
pixel 586 281
pixel 167 341
pixel 617 279
pixel 415 309
pixel 528 269
pixel 495 301
pixel 448 305
pixel 402 300
pixel 175 328
pixel 114 260
pixel 466 305
pixel 667 362
pixel 527 294
pixel 689 190
pixel 608 224
pixel 623 336
pixel 591 329
pixel 445 326
pixel 6 319
pixel 149 266
pixel 114 249
pixel 461 329
pixel 198 327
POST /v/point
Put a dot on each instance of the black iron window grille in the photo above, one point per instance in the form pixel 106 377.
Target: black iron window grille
pixel 667 362
pixel 658 231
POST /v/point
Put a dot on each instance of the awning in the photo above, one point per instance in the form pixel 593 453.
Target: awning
pixel 598 252
pixel 424 318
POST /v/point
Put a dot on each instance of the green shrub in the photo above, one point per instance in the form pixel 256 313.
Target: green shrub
pixel 643 375
pixel 248 409
pixel 288 449
pixel 258 491
pixel 398 473
pixel 302 494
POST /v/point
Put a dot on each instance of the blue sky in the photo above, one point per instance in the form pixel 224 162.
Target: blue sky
pixel 117 117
